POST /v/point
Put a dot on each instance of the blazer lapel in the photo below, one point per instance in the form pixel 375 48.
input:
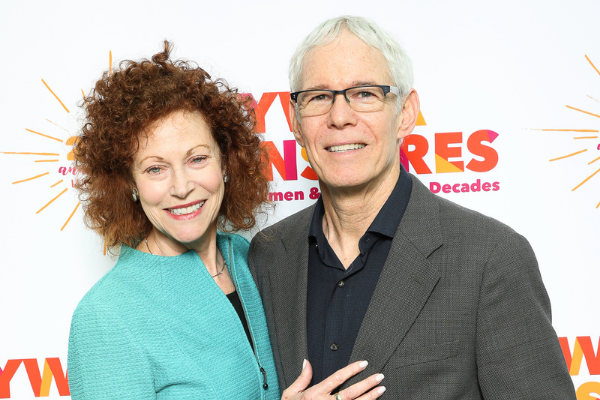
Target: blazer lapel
pixel 405 283
pixel 289 283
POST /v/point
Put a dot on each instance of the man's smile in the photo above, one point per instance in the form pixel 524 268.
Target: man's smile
pixel 345 147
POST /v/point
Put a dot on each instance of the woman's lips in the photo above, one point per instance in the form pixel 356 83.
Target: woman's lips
pixel 186 211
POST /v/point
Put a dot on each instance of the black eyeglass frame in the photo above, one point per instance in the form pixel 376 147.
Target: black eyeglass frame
pixel 386 89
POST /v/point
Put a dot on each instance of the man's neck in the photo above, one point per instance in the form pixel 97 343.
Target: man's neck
pixel 349 213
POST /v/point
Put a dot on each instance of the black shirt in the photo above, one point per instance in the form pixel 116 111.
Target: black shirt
pixel 234 298
pixel 338 298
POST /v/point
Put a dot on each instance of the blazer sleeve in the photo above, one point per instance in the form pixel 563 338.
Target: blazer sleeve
pixel 518 353
pixel 252 262
pixel 256 262
pixel 104 362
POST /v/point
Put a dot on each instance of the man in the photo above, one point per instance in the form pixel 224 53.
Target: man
pixel 445 302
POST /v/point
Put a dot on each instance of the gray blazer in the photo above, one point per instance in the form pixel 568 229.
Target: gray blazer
pixel 459 311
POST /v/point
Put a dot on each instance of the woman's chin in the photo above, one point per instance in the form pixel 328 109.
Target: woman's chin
pixel 191 240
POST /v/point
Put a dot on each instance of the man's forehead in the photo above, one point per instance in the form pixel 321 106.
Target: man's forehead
pixel 345 41
pixel 347 60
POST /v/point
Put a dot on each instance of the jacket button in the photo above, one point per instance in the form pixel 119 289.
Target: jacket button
pixel 341 284
pixel 333 347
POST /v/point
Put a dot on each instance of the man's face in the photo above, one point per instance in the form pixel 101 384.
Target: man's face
pixel 374 137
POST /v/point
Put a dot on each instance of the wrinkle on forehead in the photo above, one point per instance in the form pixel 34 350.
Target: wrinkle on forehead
pixel 187 114
pixel 351 49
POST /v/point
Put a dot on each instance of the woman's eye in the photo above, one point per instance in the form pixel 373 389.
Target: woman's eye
pixel 153 170
pixel 197 160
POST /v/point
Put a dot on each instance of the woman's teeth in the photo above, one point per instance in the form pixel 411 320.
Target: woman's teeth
pixel 187 210
pixel 346 147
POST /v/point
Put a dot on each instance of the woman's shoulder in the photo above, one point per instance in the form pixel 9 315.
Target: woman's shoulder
pixel 98 305
pixel 114 290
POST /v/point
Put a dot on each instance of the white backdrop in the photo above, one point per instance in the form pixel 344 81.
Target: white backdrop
pixel 510 67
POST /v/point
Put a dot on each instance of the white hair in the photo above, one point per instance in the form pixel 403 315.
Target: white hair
pixel 399 65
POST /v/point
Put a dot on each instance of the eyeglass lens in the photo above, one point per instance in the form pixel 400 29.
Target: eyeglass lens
pixel 318 102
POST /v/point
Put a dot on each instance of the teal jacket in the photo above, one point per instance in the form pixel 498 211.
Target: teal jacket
pixel 160 328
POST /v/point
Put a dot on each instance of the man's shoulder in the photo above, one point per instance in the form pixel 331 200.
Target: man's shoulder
pixel 454 232
pixel 292 221
pixel 455 219
pixel 455 215
pixel 274 242
pixel 291 226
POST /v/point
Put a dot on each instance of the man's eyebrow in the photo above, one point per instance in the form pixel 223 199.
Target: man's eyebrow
pixel 353 84
pixel 363 83
pixel 317 87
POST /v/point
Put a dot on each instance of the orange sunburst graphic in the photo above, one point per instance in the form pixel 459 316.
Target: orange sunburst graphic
pixel 588 138
pixel 47 158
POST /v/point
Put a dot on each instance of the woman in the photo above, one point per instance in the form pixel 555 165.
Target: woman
pixel 169 156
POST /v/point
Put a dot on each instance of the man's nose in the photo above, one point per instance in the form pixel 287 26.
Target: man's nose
pixel 341 114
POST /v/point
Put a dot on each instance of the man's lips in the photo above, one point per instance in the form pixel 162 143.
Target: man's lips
pixel 345 147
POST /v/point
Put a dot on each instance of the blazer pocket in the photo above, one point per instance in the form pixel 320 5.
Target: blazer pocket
pixel 420 354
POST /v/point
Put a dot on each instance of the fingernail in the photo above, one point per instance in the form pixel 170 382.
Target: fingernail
pixel 381 389
pixel 363 364
pixel 304 363
pixel 379 377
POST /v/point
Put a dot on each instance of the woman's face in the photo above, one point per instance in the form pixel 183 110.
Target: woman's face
pixel 178 175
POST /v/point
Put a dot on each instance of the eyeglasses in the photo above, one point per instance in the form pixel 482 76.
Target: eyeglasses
pixel 360 98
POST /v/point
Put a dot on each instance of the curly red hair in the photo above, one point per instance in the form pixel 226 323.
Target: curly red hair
pixel 119 110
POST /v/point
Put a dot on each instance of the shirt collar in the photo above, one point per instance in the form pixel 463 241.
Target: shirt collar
pixel 387 220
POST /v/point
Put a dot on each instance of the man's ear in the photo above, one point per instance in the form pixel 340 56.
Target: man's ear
pixel 295 124
pixel 408 115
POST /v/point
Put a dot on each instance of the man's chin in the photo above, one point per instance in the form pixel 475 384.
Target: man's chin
pixel 347 182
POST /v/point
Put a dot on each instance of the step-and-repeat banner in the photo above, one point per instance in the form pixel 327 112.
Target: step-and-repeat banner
pixel 510 100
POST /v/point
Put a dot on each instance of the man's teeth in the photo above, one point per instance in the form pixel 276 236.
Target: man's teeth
pixel 346 147
pixel 187 210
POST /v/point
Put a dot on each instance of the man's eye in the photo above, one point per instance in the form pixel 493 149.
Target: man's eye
pixel 365 94
pixel 320 97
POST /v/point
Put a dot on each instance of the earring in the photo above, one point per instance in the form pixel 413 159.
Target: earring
pixel 225 178
pixel 134 195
